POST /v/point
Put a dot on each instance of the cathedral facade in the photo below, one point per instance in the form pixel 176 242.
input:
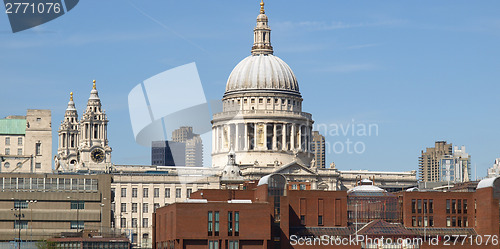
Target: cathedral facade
pixel 83 143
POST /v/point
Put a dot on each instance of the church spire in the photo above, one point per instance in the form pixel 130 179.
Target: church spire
pixel 94 94
pixel 71 104
pixel 262 34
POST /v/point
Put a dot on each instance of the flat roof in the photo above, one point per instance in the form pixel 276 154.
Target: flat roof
pixel 13 126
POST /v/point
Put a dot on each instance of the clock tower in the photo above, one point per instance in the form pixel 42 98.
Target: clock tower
pixel 94 152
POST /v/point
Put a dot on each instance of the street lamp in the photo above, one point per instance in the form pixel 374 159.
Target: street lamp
pixel 102 205
pixel 30 203
pixel 18 216
pixel 77 212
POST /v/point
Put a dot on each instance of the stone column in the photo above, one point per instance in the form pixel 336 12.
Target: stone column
pixel 275 137
pixel 292 137
pixel 299 137
pixel 265 135
pixel 236 137
pixel 283 137
pixel 213 138
pixel 254 136
pixel 245 137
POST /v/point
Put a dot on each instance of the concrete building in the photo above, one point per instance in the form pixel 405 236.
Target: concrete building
pixel 429 170
pixel 494 171
pixel 168 153
pixel 26 142
pixel 39 206
pixel 185 149
pixel 137 191
pixel 318 148
pixel 455 168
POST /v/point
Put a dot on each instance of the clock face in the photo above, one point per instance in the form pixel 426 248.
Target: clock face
pixel 97 155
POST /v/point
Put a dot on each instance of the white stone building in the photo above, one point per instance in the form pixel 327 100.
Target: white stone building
pixel 26 143
pixel 83 144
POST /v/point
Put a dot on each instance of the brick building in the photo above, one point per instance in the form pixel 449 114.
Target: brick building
pixel 269 214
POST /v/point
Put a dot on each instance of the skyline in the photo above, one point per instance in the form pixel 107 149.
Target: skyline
pixel 406 68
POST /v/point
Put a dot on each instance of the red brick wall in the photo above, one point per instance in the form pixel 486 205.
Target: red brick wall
pixel 334 209
pixel 439 199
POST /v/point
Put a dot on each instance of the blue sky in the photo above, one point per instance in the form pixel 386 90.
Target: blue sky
pixel 420 71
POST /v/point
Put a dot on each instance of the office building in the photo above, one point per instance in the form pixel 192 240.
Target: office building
pixel 318 148
pixel 39 206
pixel 429 169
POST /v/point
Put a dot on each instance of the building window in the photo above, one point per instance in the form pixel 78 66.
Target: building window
pixel 188 192
pixel 233 244
pixel 19 151
pixel 156 206
pixel 77 225
pixel 7 151
pixel 123 207
pixel 19 165
pixel 216 223
pixel 145 208
pixel 448 221
pixel 425 207
pixel 167 192
pixel 453 221
pixel 134 222
pixel 465 206
pixel 413 206
pixel 210 220
pixel 7 141
pixel 236 223
pixel 413 221
pixel 134 192
pixel 20 204
pixel 229 223
pixel 419 206
pixel 459 221
pixel 156 192
pixel 145 236
pixel 294 186
pixel 145 192
pixel 20 141
pixel 213 244
pixel 302 219
pixel 419 219
pixel 134 207
pixel 459 206
pixel 123 222
pixel 447 206
pixel 145 222
pixel 302 187
pixel 177 193
pixel 124 192
pixel 38 149
pixel 6 165
pixel 77 205
pixel 38 165
pixel 431 206
pixel 431 221
pixel 320 220
pixel 453 206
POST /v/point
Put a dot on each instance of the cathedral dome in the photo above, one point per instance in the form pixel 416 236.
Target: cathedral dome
pixel 262 72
